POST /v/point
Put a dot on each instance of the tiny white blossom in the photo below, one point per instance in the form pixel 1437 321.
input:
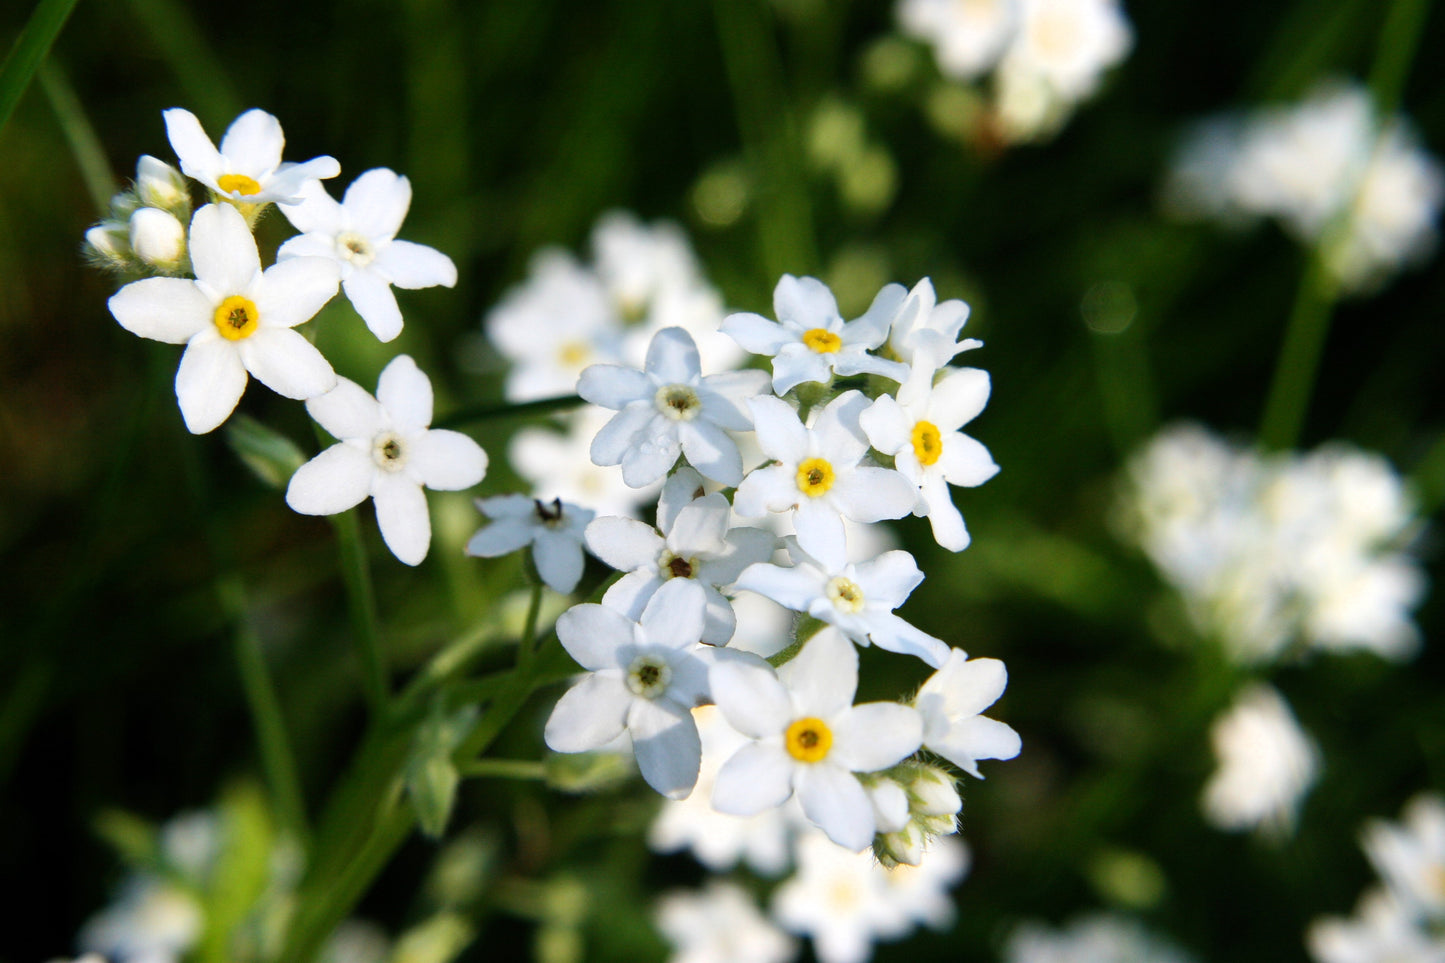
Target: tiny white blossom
pixel 153 921
pixel 818 474
pixel 1410 855
pixel 809 738
pixel 1095 938
pixel 924 331
pixel 386 450
pixel 670 408
pixel 952 702
pixel 234 319
pixel 720 924
pixel 841 900
pixel 359 234
pixel 810 340
pixel 968 36
pixel 1266 764
pixel 1381 930
pixel 247 169
pixel 553 529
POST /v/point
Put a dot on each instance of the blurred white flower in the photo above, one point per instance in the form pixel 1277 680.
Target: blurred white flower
pixel 385 450
pixel 558 464
pixel 248 167
pixel 553 529
pixel 968 36
pixel 1097 938
pixel 1266 764
pixel 720 924
pixel 359 234
pixel 840 899
pixel 153 921
pixel 1381 930
pixel 1410 856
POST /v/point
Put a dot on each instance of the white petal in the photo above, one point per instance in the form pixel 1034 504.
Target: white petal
pixel 887 425
pixel 405 392
pixel 806 302
pixel 310 245
pixel 223 252
pixel 672 357
pixel 172 310
pixel 959 397
pixel 593 633
pixel 287 363
pixel 888 631
pixel 253 143
pixel 615 438
pixel 719 619
pixel 839 435
pixel 780 434
pixel 666 743
pixel 757 777
pixel 631 593
pixel 652 455
pixel 402 516
pixel 872 328
pixel 347 411
pixel 794 588
pixel 823 676
pixel 701 527
pixel 876 735
pixel 680 490
pixel 287 184
pixel 965 462
pixel 944 517
pixel 964 686
pixel 292 291
pixel 889 579
pixel 756 333
pixel 445 461
pixel 673 616
pixel 725 397
pixel 836 802
pixel 871 494
pixel 559 560
pixel 614 386
pixel 315 213
pixel 624 543
pixel 751 698
pixel 209 382
pixel 501 537
pixel 414 266
pixel 377 202
pixel 709 449
pixel 197 154
pixel 589 715
pixel 770 489
pixel 977 738
pixel 335 480
pixel 856 362
pixel 371 296
pixel 821 533
pixel 795 364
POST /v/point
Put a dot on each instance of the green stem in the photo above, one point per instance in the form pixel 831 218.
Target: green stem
pixel 34 42
pixel 80 134
pixel 503 769
pixel 361 600
pixel 276 757
pixel 1299 358
pixel 1399 41
pixel 542 406
pixel 527 644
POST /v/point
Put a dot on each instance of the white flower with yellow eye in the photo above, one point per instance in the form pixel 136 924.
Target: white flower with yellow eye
pixel 952 702
pixel 359 234
pixel 818 475
pixel 858 599
pixel 924 332
pixel 234 319
pixel 386 450
pixel 248 168
pixel 810 341
pixel 920 429
pixel 670 408
pixel 808 738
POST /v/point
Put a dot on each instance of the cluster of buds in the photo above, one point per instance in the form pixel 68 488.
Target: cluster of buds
pixel 146 231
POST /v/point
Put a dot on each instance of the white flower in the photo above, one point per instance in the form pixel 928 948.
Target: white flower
pixel 1381 930
pixel 720 925
pixel 694 542
pixel 810 341
pixel 553 529
pixel 924 333
pixel 952 702
pixel 921 891
pixel 1096 938
pixel 1410 855
pixel 920 429
pixel 809 738
pixel 153 921
pixel 841 900
pixel 858 599
pixel 559 465
pixel 233 319
pixel 819 476
pixel 385 450
pixel 359 234
pixel 670 408
pixel 643 677
pixel 968 36
pixel 721 840
pixel 248 168
pixel 1266 764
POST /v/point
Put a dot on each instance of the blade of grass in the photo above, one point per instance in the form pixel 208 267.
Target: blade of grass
pixel 30 48
pixel 80 134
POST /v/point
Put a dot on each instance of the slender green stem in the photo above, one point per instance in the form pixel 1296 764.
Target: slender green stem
pixel 1299 358
pixel 34 42
pixel 1399 42
pixel 542 406
pixel 361 600
pixel 527 644
pixel 503 769
pixel 277 760
pixel 80 134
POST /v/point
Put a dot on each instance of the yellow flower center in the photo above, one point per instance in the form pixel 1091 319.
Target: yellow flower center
pixel 237 318
pixel 808 739
pixel 815 476
pixel 822 340
pixel 237 184
pixel 572 354
pixel 845 594
pixel 927 442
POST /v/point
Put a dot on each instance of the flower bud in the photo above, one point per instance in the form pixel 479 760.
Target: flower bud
pixel 904 846
pixel 934 793
pixel 890 805
pixel 157 237
pixel 109 244
pixel 158 184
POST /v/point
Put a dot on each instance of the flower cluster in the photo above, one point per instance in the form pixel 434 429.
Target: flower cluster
pixel 1046 56
pixel 1403 918
pixel 1094 938
pixel 786 763
pixel 1271 552
pixel 1332 171
pixel 1266 765
pixel 202 284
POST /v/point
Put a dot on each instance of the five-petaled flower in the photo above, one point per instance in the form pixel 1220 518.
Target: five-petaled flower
pixel 248 168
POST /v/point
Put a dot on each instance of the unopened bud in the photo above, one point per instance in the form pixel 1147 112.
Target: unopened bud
pixel 157 237
pixel 109 243
pixel 904 846
pixel 934 793
pixel 890 805
pixel 158 184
